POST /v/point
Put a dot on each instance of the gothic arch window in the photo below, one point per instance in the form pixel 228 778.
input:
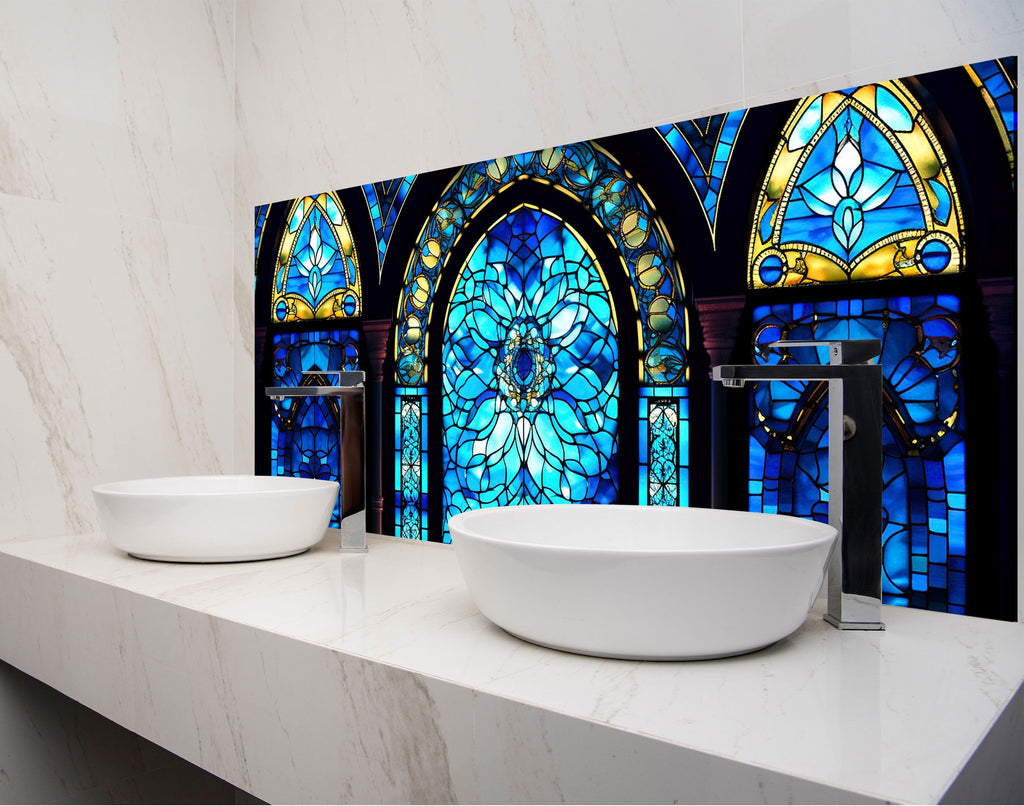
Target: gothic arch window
pixel 513 360
pixel 317 273
pixel 313 302
pixel 530 371
pixel 859 188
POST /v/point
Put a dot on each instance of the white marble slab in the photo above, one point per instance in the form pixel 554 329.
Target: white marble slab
pixel 332 678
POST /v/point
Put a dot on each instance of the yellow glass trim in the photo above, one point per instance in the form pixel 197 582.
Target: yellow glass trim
pixel 993 109
pixel 922 156
pixel 331 306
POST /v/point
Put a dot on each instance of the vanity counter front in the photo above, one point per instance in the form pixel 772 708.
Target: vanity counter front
pixel 372 678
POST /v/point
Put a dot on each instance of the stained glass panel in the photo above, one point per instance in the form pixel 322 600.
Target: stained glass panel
pixel 411 465
pixel 317 273
pixel 304 430
pixel 261 220
pixel 385 200
pixel 924 436
pixel 859 188
pixel 529 371
pixel 997 80
pixel 664 446
pixel 618 205
pixel 703 148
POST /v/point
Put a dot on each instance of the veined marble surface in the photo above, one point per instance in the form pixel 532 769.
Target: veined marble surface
pixel 373 678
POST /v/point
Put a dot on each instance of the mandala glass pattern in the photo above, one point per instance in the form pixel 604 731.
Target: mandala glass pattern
pixel 997 80
pixel 385 200
pixel 610 196
pixel 304 430
pixel 924 436
pixel 529 371
pixel 859 188
pixel 703 148
pixel 317 272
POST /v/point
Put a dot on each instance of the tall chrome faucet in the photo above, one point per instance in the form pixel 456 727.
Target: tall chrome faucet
pixel 854 468
pixel 349 382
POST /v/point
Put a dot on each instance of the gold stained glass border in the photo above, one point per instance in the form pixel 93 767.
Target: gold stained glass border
pixel 895 255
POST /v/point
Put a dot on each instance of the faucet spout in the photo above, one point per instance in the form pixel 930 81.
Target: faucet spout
pixel 855 468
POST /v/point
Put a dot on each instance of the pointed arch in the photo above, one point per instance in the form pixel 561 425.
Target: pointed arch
pixel 653 295
pixel 859 188
pixel 317 271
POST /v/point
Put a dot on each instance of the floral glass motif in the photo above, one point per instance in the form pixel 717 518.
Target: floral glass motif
pixel 385 200
pixel 704 147
pixel 997 80
pixel 618 205
pixel 924 435
pixel 529 371
pixel 304 430
pixel 317 272
pixel 859 188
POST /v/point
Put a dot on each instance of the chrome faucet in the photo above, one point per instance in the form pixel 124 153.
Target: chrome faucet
pixel 348 383
pixel 854 469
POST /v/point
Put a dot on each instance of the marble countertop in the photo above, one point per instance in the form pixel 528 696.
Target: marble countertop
pixel 331 677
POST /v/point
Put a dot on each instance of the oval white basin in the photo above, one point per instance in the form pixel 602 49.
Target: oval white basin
pixel 208 519
pixel 645 583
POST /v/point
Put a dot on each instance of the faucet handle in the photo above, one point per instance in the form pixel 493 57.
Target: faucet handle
pixel 844 351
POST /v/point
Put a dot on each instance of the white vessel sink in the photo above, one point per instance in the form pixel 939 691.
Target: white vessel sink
pixel 206 519
pixel 646 583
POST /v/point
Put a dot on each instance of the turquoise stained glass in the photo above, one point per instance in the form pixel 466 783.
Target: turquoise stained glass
pixel 605 192
pixel 663 450
pixel 385 200
pixel 530 371
pixel 924 436
pixel 704 147
pixel 304 430
pixel 411 467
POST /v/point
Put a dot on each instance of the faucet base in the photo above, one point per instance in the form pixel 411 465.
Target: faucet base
pixel 853 625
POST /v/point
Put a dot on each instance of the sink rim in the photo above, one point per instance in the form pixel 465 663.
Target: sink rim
pixel 827 533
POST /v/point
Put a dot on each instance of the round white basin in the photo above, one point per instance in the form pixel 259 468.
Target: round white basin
pixel 646 583
pixel 207 519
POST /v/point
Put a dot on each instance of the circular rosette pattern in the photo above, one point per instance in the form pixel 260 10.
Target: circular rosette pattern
pixel 530 371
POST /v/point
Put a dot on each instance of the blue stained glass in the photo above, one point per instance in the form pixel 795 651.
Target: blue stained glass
pixel 703 147
pixel 261 220
pixel 997 80
pixel 923 499
pixel 854 191
pixel 617 203
pixel 385 200
pixel 858 188
pixel 529 371
pixel 304 431
pixel 317 274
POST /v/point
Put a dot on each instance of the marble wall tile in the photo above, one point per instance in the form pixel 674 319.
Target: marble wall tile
pixel 117 355
pixel 436 83
pixel 116 323
pixel 809 46
pixel 116 105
